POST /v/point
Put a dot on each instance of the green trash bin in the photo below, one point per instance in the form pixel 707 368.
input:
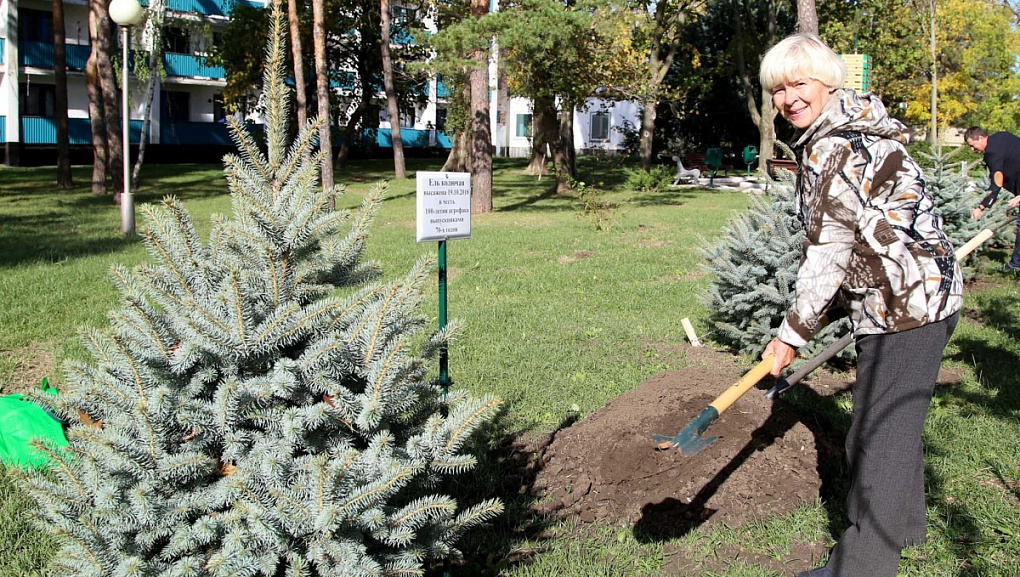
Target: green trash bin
pixel 750 154
pixel 713 160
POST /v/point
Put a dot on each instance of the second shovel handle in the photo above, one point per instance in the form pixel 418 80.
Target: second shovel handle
pixel 737 389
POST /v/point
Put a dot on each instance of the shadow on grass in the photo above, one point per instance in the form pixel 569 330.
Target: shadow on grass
pixel 506 471
pixel 42 223
pixel 672 518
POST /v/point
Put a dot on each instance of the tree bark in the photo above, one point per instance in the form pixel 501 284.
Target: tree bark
pixel 391 94
pixel 322 94
pixel 60 101
pixel 459 158
pixel 481 135
pixel 300 100
pixel 564 157
pixel 103 44
pixel 933 136
pixel 807 17
pixel 97 115
pixel 543 133
pixel 648 116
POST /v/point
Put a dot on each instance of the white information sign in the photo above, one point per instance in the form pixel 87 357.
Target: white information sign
pixel 443 205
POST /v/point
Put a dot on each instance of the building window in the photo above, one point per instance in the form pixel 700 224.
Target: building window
pixel 600 126
pixel 401 15
pixel 38 100
pixel 176 40
pixel 524 125
pixel 219 110
pixel 441 119
pixel 407 118
pixel 35 25
pixel 176 106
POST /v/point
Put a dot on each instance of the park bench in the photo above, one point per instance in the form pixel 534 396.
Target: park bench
pixel 690 175
pixel 773 165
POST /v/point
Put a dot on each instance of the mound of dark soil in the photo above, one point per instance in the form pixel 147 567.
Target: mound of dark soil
pixel 766 459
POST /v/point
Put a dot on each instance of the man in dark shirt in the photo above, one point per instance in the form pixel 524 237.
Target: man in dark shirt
pixel 1002 156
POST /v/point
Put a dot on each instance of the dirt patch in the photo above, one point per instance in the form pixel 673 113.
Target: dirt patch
pixel 607 467
pixel 31 364
pixel 577 255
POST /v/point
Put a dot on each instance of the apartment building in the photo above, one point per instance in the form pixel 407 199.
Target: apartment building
pixel 187 111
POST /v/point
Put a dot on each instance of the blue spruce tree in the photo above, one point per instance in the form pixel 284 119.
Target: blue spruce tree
pixel 261 404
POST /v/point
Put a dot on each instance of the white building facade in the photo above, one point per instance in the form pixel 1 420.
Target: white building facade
pixel 187 109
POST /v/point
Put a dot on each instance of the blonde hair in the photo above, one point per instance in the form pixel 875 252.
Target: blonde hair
pixel 801 56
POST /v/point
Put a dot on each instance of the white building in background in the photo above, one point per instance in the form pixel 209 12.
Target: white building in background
pixel 186 119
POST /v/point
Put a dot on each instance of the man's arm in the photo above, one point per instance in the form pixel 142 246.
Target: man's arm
pixel 995 185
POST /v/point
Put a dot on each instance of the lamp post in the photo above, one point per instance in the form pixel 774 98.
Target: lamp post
pixel 126 13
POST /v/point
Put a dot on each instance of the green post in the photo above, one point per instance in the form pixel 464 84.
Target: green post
pixel 444 357
pixel 444 354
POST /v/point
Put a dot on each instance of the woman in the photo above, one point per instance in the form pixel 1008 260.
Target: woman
pixel 873 243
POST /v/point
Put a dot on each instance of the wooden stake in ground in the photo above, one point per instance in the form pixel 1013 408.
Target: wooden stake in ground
pixel 686 322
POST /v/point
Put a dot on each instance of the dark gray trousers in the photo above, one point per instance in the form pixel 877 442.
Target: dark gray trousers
pixel 896 375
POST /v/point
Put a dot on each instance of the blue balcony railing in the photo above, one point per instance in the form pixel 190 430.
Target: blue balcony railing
pixel 3 129
pixel 410 138
pixel 195 133
pixel 188 65
pixel 40 55
pixel 208 7
pixel 42 130
pixel 2 41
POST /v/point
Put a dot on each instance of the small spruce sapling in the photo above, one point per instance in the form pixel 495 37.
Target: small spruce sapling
pixel 260 404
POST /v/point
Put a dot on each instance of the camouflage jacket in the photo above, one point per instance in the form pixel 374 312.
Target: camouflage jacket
pixel 871 238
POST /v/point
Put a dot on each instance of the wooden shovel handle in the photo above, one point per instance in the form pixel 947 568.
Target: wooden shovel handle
pixel 737 389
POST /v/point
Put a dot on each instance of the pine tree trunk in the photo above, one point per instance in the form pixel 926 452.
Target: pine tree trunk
pixel 60 100
pixel 322 93
pixel 104 45
pixel 807 17
pixel 648 116
pixel 349 131
pixel 481 135
pixel 563 153
pixel 543 126
pixel 458 159
pixel 399 171
pixel 300 101
pixel 97 116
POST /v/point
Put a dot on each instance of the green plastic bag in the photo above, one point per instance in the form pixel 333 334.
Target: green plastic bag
pixel 21 420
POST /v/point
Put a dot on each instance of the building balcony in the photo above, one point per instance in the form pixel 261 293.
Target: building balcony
pixel 190 66
pixel 40 55
pixel 43 130
pixel 195 133
pixel 208 7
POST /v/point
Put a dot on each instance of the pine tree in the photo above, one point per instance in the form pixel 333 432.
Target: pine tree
pixel 955 196
pixel 753 267
pixel 261 404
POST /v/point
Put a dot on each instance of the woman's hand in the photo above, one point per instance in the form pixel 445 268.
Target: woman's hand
pixel 782 353
pixel 976 213
pixel 1013 202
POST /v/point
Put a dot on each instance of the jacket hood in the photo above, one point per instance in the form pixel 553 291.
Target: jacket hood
pixel 848 111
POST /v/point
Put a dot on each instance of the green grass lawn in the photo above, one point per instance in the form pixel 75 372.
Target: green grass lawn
pixel 558 318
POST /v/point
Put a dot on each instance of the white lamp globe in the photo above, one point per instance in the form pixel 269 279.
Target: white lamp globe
pixel 126 12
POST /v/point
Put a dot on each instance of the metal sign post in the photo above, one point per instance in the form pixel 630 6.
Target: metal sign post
pixel 443 212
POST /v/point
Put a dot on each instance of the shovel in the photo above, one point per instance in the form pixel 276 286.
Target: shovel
pixel 689 439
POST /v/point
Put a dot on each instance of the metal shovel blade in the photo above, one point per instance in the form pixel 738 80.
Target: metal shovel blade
pixel 689 440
